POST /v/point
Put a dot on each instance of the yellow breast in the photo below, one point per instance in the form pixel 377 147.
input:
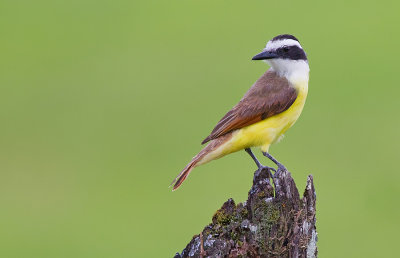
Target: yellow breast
pixel 265 132
pixel 268 131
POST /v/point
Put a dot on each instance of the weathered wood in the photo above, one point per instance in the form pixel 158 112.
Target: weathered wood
pixel 273 222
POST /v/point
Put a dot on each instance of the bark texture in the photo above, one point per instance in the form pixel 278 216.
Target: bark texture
pixel 273 222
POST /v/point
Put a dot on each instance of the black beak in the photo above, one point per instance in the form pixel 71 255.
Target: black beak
pixel 265 55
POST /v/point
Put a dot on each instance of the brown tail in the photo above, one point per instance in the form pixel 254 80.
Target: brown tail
pixel 186 171
pixel 183 175
pixel 214 144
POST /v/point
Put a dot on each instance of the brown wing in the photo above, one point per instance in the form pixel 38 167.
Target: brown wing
pixel 269 96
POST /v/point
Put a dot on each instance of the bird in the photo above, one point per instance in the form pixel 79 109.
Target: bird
pixel 266 111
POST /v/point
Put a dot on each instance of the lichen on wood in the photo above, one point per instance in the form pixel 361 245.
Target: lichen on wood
pixel 273 222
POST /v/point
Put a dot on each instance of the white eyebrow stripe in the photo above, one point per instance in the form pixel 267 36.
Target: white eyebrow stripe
pixel 280 43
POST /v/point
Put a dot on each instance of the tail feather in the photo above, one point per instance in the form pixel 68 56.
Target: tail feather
pixel 200 158
pixel 183 175
pixel 186 171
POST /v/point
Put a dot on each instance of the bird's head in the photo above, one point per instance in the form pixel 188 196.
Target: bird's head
pixel 286 57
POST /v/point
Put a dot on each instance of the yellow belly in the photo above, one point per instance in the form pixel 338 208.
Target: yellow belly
pixel 268 131
pixel 265 132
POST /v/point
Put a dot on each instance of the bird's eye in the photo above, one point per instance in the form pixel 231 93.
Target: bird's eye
pixel 285 49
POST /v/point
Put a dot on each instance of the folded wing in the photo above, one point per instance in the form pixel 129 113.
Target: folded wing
pixel 269 96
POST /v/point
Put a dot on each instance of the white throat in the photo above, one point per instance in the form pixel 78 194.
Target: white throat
pixel 294 70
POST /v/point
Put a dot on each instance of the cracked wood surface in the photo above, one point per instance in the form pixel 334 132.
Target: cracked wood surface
pixel 273 222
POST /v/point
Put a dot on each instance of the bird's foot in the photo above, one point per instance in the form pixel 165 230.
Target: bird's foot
pixel 268 169
pixel 281 167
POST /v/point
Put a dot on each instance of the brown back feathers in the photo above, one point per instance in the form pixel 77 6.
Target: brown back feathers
pixel 269 96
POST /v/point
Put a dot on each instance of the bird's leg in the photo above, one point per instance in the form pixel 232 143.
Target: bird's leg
pixel 248 150
pixel 280 166
pixel 259 165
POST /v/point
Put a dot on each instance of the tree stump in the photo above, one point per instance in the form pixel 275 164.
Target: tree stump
pixel 273 222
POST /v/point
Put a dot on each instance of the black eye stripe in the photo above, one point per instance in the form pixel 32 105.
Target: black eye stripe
pixel 285 48
pixel 291 52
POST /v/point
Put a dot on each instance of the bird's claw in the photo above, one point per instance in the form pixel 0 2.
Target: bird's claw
pixel 269 170
pixel 282 167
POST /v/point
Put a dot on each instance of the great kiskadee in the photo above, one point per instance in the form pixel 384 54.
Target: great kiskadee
pixel 268 109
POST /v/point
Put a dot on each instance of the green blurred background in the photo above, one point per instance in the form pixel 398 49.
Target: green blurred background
pixel 102 103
